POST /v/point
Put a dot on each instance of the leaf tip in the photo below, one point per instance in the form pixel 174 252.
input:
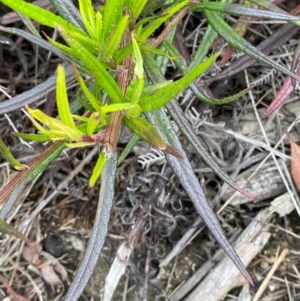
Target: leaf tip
pixel 247 194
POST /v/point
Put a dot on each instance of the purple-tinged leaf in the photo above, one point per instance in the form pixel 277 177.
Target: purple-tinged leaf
pixel 187 178
pixel 182 122
pixel 13 189
pixel 287 89
pixel 99 232
pixel 189 181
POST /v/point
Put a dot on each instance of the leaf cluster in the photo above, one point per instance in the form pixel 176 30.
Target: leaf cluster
pixel 114 53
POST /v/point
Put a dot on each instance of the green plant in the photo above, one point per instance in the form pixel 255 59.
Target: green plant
pixel 114 45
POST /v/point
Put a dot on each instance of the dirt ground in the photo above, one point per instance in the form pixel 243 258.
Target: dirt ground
pixel 177 258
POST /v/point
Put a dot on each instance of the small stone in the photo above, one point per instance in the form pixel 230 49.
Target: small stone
pixel 264 265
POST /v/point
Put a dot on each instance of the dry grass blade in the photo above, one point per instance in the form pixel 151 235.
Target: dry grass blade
pixel 248 246
pixel 14 295
pixel 116 271
pixel 271 272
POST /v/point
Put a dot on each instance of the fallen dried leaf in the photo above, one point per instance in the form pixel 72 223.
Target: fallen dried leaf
pixel 288 87
pixel 295 163
pixel 13 294
pixel 49 266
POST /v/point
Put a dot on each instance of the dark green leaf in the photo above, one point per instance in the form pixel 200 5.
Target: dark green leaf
pixel 190 182
pixel 241 10
pixel 69 12
pixel 235 40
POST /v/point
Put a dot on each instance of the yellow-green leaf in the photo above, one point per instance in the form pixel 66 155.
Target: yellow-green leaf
pixel 88 17
pixel 62 98
pixel 33 137
pixel 137 83
pixel 111 16
pixel 97 169
pixel 4 150
pixel 148 132
pixel 92 123
pixel 90 96
pixel 161 97
pixel 167 14
pixel 115 38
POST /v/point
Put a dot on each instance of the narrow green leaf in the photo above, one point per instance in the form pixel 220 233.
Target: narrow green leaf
pixel 70 55
pixel 136 7
pixel 79 144
pixel 164 95
pixel 129 146
pixel 143 21
pixel 62 98
pixel 38 115
pixel 88 43
pixel 4 150
pixel 33 137
pixel 120 54
pixel 81 118
pixel 153 88
pixel 120 107
pixel 184 125
pixel 89 95
pixel 157 51
pixel 181 64
pixel 214 6
pixel 206 43
pixel 60 131
pixel 148 132
pixel 167 14
pixel 92 123
pixel 136 86
pixel 115 37
pixel 84 102
pixel 111 16
pixel 154 5
pixel 57 129
pixel 98 27
pixel 235 40
pixel 38 14
pixel 88 17
pixel 35 167
pixel 103 78
pixel 97 169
